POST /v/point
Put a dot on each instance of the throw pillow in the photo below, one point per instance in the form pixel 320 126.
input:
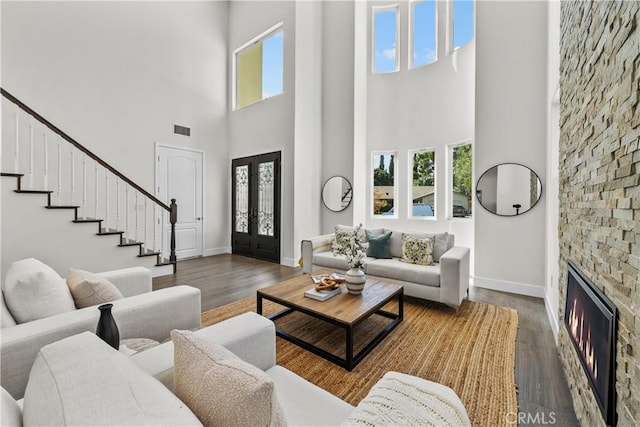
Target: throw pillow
pixel 417 251
pixel 89 289
pixel 33 290
pixel 10 412
pixel 343 234
pixel 379 245
pixel 212 381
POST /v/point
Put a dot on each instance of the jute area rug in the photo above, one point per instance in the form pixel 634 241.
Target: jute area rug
pixel 471 351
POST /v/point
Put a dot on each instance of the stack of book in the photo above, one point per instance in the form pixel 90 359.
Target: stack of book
pixel 321 295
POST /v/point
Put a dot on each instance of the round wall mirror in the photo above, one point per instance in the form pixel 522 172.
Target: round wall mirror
pixel 337 193
pixel 508 189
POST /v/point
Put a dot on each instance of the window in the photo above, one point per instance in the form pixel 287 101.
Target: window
pixel 461 171
pixel 385 39
pixel 423 184
pixel 384 187
pixel 259 68
pixel 423 33
pixel 462 22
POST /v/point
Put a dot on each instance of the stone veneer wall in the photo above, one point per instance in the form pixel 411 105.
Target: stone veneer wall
pixel 599 226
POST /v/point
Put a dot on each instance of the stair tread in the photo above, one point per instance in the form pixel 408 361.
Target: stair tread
pixel 33 191
pixel 108 231
pixel 130 243
pixel 149 252
pixel 15 175
pixel 61 207
pixel 164 262
pixel 86 219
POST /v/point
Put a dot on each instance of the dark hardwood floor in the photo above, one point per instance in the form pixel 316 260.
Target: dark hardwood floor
pixel 543 396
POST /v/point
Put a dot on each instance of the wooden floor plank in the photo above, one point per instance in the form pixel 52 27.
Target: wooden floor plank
pixel 543 396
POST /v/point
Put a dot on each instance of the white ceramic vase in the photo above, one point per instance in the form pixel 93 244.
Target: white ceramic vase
pixel 355 280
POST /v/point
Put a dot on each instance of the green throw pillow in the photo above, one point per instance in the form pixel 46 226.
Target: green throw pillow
pixel 417 251
pixel 379 245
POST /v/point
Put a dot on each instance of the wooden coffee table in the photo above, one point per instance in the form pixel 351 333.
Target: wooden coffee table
pixel 344 310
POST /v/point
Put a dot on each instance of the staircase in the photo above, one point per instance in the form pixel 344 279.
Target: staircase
pixel 45 161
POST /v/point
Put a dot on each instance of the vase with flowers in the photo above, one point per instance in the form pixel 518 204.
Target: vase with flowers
pixel 353 246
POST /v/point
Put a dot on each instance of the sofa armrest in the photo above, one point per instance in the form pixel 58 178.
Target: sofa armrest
pixel 249 336
pixel 315 244
pixel 130 281
pixel 151 315
pixel 454 275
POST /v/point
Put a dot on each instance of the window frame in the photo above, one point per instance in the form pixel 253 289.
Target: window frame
pixel 234 63
pixel 395 184
pixel 410 154
pixel 411 25
pixel 449 183
pixel 385 8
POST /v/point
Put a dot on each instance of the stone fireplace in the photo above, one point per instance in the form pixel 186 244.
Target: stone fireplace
pixel 599 190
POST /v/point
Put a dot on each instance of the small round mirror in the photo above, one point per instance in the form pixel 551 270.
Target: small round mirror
pixel 508 189
pixel 337 193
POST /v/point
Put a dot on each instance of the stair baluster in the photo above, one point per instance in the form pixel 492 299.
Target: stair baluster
pixel 106 200
pixel 95 187
pixel 45 148
pixel 59 192
pixel 30 155
pixel 126 208
pixel 16 150
pixel 84 185
pixel 73 174
pixel 117 204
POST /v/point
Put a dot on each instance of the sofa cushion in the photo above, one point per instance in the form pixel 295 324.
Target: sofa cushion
pixel 6 319
pixel 405 400
pixel 88 289
pixel 80 380
pixel 33 290
pixel 329 260
pixel 442 243
pixel 213 382
pixel 306 404
pixel 428 275
pixel 378 245
pixel 10 412
pixel 417 251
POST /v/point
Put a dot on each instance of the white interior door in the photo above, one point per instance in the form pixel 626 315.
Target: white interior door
pixel 179 176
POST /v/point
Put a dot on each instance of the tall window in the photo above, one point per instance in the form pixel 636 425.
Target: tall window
pixel 384 184
pixel 385 39
pixel 461 170
pixel 259 68
pixel 423 33
pixel 462 22
pixel 423 183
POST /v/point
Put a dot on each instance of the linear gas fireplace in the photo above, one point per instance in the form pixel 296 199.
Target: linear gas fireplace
pixel 590 319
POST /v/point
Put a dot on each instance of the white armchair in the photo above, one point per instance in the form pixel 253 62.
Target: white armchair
pixel 140 314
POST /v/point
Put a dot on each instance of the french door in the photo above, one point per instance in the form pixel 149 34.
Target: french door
pixel 256 206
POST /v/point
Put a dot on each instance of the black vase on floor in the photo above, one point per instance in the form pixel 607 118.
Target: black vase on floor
pixel 107 329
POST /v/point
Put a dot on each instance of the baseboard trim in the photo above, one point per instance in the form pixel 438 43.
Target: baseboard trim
pixel 511 287
pixel 553 318
pixel 289 262
pixel 216 251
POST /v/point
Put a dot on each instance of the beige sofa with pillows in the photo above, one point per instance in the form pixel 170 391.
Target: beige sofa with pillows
pixel 428 265
pixel 225 374
pixel 38 307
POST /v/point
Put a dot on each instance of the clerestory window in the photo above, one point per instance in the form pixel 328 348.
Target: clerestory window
pixel 259 68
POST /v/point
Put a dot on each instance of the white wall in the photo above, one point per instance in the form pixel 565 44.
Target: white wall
pixel 337 102
pixel 511 77
pixel 117 76
pixel 427 107
pixel 268 125
pixel 553 149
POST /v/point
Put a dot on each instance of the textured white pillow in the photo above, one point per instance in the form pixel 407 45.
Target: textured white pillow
pixel 33 290
pixel 220 388
pixel 88 289
pixel 6 319
pixel 10 412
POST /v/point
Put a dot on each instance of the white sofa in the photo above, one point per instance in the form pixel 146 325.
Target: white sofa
pixel 140 314
pixel 447 281
pixel 121 390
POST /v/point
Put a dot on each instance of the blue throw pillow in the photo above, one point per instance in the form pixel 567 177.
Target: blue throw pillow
pixel 379 245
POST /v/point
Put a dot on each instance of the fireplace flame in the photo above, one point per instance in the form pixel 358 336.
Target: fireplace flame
pixel 577 329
